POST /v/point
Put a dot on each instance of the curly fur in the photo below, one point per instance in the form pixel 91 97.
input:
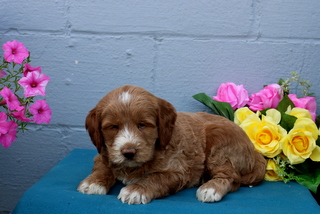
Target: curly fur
pixel 144 143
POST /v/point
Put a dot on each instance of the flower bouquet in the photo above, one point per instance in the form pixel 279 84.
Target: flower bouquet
pixel 17 108
pixel 282 127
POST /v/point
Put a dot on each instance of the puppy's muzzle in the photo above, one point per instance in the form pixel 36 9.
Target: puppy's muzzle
pixel 129 152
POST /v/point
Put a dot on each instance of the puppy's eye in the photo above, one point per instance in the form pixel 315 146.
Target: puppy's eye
pixel 141 125
pixel 114 127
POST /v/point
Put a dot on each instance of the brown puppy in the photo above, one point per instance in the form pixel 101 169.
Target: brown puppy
pixel 143 142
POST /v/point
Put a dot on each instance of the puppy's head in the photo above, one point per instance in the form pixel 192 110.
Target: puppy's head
pixel 130 124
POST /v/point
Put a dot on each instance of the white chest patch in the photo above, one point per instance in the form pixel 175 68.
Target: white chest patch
pixel 125 97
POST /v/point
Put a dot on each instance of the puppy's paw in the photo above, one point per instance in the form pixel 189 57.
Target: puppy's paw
pixel 213 190
pixel 91 188
pixel 208 195
pixel 134 194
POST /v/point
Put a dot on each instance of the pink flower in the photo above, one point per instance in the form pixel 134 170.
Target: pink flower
pixel 27 68
pixel 2 74
pixel 3 120
pixel 8 130
pixel 41 112
pixel 10 136
pixel 15 52
pixel 20 115
pixel 308 103
pixel 269 97
pixel 11 99
pixel 34 84
pixel 233 94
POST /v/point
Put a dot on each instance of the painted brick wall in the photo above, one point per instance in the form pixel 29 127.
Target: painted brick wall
pixel 174 49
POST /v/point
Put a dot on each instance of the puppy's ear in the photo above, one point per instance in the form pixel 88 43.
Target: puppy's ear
pixel 93 125
pixel 166 119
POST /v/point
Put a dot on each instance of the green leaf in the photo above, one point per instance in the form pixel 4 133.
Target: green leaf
pixel 220 108
pixel 264 111
pixel 285 103
pixel 310 180
pixel 281 81
pixel 311 95
pixel 307 174
pixel 318 121
pixel 318 141
pixel 287 121
pixel 302 167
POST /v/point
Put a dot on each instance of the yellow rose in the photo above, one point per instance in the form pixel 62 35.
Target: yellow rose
pixel 300 143
pixel 273 115
pixel 265 134
pixel 272 171
pixel 241 114
pixel 300 113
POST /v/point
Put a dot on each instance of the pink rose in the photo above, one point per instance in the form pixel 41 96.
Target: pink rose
pixel 231 93
pixel 308 103
pixel 268 97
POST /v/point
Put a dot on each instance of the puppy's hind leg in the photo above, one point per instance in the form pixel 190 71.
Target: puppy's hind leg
pixel 221 175
pixel 218 186
pixel 256 175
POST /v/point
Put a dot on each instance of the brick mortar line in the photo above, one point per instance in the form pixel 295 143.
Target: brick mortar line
pixel 163 35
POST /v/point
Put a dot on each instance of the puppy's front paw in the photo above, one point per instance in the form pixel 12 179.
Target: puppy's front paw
pixel 208 195
pixel 91 188
pixel 134 194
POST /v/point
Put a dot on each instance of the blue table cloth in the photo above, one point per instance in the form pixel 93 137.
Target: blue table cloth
pixel 57 192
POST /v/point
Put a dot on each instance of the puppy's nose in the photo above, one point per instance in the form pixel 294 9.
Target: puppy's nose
pixel 129 152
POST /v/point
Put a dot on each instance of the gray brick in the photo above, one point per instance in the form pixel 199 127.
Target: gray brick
pixel 165 17
pixel 33 16
pixel 290 19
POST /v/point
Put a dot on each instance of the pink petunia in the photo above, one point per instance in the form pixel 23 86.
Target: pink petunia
pixel 3 120
pixel 2 74
pixel 15 52
pixel 34 84
pixel 10 136
pixel 41 112
pixel 11 99
pixel 20 115
pixel 8 130
pixel 28 68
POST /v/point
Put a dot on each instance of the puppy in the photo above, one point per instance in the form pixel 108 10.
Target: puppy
pixel 144 143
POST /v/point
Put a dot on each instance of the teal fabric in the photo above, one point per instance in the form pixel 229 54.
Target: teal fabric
pixel 56 193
